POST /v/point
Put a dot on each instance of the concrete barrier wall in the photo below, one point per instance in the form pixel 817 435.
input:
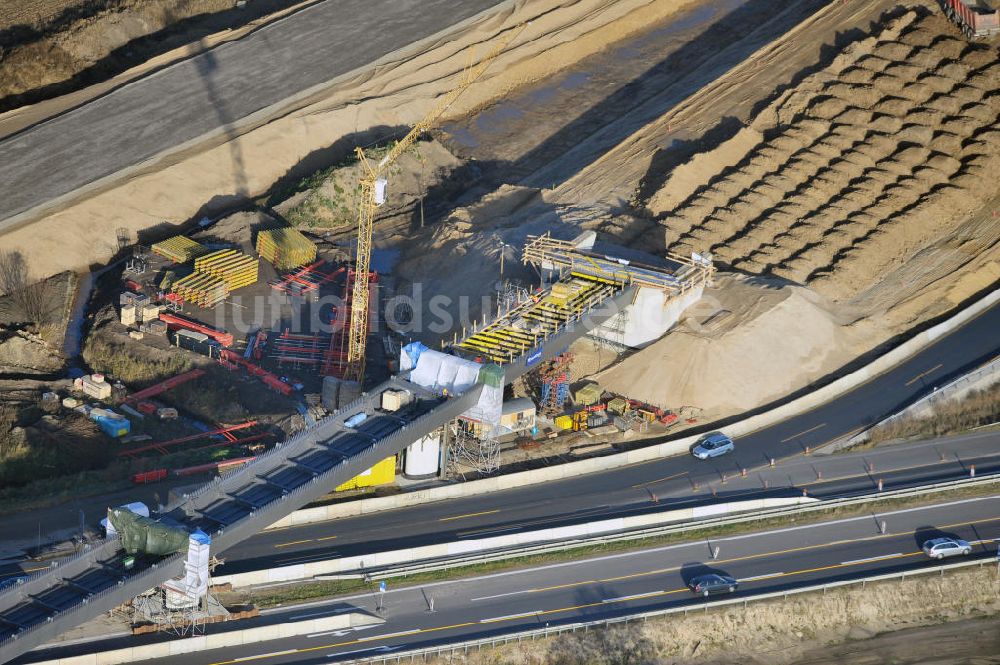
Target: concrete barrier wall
pixel 570 469
pixel 354 564
pixel 217 640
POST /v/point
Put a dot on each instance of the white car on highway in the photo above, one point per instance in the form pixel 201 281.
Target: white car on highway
pixel 939 548
pixel 713 445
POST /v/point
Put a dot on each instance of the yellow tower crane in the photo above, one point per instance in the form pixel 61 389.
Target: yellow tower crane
pixel 373 188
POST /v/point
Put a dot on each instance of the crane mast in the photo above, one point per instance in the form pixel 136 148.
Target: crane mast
pixel 371 182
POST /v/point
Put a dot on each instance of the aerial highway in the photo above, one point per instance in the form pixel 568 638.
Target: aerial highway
pixel 677 481
pixel 210 92
pixel 521 510
pixel 663 483
pixel 614 585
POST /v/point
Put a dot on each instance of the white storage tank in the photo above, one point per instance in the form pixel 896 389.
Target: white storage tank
pixel 423 456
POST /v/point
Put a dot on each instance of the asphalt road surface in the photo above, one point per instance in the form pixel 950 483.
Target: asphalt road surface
pixel 677 481
pixel 668 482
pixel 211 90
pixel 520 511
pixel 618 584
pixel 673 482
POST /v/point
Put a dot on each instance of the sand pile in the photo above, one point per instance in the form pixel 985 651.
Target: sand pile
pixel 748 342
pixel 858 168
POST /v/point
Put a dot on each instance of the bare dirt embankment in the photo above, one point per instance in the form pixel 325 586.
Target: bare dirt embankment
pixel 356 111
pixel 859 196
pixel 859 169
pixel 868 190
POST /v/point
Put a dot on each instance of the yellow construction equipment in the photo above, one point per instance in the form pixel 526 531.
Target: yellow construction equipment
pixel 372 186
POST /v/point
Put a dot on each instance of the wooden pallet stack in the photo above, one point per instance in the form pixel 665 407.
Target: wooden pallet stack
pixel 179 249
pixel 285 248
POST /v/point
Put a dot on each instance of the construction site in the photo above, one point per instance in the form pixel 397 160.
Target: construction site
pixel 515 265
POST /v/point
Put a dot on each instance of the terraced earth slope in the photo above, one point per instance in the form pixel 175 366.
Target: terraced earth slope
pixel 860 167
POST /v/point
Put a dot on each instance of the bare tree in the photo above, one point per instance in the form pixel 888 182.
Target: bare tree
pixel 27 299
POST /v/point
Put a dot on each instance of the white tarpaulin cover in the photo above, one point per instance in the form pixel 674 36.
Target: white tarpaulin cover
pixel 441 372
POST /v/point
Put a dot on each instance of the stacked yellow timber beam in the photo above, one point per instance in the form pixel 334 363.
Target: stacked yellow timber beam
pixel 200 289
pixel 179 249
pixel 234 268
pixel 215 276
pixel 285 248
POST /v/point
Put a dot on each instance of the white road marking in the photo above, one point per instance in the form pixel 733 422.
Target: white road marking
pixel 341 632
pixel 760 577
pixel 265 655
pixel 871 558
pixel 369 638
pixel 632 597
pixel 348 653
pixel 511 616
pixel 636 554
pixel 502 595
pixel 307 559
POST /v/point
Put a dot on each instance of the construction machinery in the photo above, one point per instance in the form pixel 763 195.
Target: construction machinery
pixel 977 19
pixel 372 195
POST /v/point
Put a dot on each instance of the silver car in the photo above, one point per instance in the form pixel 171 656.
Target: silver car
pixel 713 445
pixel 939 548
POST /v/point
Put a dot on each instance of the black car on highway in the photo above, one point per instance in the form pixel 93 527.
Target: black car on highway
pixel 707 585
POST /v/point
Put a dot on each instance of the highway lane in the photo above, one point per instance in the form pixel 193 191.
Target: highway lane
pixel 665 483
pixel 614 585
pixel 518 511
pixel 647 486
pixel 210 91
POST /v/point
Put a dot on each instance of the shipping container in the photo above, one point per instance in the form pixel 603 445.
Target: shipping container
pixel 113 426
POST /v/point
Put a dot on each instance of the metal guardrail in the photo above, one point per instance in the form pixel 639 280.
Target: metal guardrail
pixel 938 394
pixel 458 561
pixel 534 634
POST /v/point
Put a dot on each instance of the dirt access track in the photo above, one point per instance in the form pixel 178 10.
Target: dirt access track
pixel 246 150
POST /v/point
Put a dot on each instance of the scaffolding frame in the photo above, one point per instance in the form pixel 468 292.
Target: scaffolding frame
pixel 473 447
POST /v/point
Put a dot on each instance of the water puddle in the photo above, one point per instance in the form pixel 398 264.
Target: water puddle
pixel 74 329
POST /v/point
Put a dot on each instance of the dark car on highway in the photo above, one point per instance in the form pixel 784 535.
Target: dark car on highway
pixel 707 585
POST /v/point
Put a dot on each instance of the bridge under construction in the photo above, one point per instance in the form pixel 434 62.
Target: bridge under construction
pixel 310 464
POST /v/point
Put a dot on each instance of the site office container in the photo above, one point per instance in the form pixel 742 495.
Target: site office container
pixel 196 342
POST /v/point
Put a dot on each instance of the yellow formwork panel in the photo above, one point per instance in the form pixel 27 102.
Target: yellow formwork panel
pixel 285 248
pixel 592 278
pixel 202 263
pixel 179 249
pixel 234 268
pixel 500 338
pixel 380 474
pixel 201 289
